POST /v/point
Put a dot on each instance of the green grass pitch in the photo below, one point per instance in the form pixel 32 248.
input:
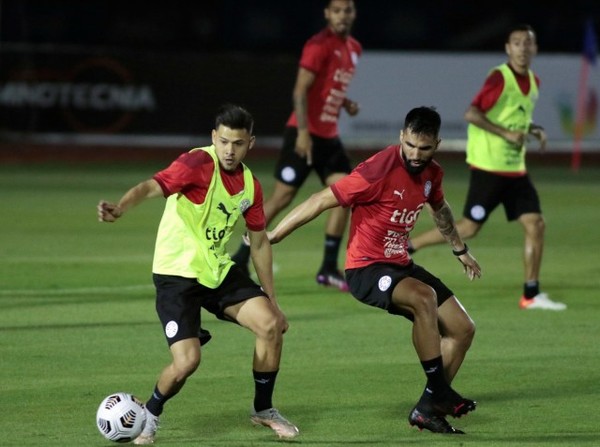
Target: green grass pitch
pixel 77 322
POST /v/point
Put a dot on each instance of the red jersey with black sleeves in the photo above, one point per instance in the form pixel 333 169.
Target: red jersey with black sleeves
pixel 333 60
pixel 190 175
pixel 386 201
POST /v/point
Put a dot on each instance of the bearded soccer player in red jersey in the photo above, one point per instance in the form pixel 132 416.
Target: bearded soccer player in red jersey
pixel 311 136
pixel 387 193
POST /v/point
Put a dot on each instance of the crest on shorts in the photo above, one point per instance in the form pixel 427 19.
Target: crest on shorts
pixel 171 329
pixel 427 189
pixel 384 283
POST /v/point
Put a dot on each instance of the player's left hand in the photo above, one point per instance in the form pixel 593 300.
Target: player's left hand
pixel 539 133
pixel 470 266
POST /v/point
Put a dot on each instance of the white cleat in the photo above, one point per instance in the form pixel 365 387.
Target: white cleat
pixel 541 301
pixel 147 435
pixel 275 421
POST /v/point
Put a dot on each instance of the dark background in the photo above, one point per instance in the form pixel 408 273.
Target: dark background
pixel 282 26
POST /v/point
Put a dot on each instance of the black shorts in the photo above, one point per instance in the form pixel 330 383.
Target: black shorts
pixel 179 301
pixel 488 190
pixel 374 284
pixel 329 157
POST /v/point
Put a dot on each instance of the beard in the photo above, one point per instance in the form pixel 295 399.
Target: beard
pixel 415 170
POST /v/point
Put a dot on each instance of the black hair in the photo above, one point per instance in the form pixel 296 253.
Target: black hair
pixel 234 117
pixel 423 120
pixel 329 2
pixel 519 27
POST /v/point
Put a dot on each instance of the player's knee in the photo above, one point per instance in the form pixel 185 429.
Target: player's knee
pixel 271 329
pixel 423 301
pixel 467 334
pixel 539 225
pixel 534 225
pixel 185 366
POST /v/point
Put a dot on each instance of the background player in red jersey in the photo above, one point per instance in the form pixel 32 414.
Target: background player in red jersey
pixel 311 137
pixel 387 193
pixel 500 119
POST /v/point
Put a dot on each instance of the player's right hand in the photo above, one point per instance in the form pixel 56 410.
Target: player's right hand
pixel 304 146
pixel 470 266
pixel 516 138
pixel 108 212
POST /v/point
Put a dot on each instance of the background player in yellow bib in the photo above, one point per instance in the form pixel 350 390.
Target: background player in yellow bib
pixel 207 190
pixel 500 120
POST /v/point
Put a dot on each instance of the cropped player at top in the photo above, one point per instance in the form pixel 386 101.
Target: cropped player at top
pixel 311 139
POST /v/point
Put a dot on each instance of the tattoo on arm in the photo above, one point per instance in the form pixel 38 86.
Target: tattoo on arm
pixel 444 221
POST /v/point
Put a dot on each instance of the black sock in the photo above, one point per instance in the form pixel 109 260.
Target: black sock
pixel 436 382
pixel 242 256
pixel 156 402
pixel 332 250
pixel 264 383
pixel 531 289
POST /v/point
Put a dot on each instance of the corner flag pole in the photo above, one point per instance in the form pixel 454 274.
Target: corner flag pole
pixel 589 59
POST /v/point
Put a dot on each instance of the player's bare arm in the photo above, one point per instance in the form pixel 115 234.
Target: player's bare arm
pixel 304 81
pixel 303 213
pixel 262 259
pixel 444 220
pixel 109 212
pixel 475 116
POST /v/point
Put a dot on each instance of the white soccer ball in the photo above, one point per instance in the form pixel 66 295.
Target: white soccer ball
pixel 121 417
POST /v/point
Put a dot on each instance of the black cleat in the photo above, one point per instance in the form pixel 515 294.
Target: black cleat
pixel 432 422
pixel 455 407
pixel 332 278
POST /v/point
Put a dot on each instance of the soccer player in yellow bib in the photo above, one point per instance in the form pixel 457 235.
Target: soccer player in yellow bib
pixel 500 120
pixel 207 190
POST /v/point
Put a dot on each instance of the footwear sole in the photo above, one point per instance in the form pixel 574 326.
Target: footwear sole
pixel 260 422
pixel 432 423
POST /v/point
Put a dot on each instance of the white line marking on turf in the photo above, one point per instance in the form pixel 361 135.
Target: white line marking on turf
pixel 77 291
pixel 79 259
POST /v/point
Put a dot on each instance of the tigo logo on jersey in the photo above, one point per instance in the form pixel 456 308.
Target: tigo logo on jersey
pixel 405 216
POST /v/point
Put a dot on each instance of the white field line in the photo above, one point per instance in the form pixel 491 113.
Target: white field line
pixel 78 259
pixel 78 291
pixel 89 290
